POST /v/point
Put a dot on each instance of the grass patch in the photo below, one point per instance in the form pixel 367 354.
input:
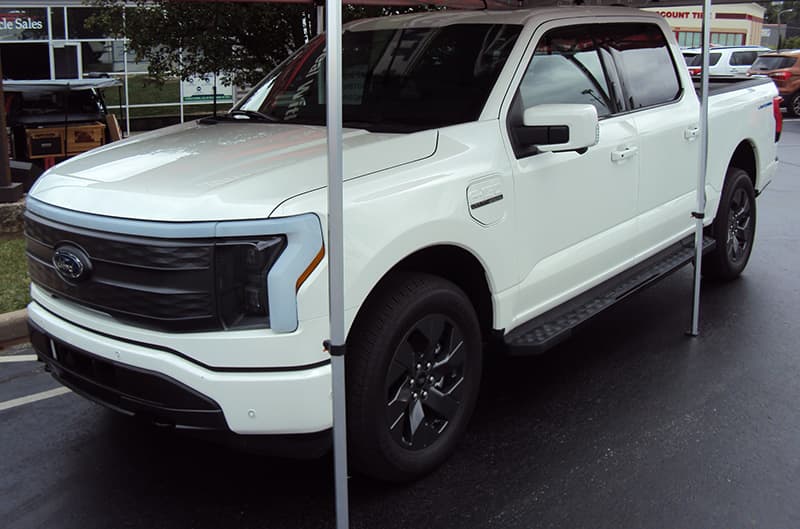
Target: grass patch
pixel 143 91
pixel 14 280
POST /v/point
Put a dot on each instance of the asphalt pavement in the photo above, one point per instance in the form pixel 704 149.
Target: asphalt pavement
pixel 628 424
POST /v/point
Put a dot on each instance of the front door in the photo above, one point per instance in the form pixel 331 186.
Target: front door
pixel 576 213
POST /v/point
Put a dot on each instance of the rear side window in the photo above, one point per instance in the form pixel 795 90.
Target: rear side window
pixel 643 58
pixel 743 58
pixel 773 62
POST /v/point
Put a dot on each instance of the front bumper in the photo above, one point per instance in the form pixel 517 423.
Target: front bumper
pixel 168 389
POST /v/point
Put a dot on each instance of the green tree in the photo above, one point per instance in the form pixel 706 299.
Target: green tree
pixel 240 41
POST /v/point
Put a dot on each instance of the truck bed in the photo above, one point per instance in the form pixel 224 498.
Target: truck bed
pixel 721 85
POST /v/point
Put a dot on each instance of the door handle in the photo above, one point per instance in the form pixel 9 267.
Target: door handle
pixel 691 133
pixel 623 154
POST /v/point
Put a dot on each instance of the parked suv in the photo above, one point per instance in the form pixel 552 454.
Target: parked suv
pixel 783 68
pixel 733 61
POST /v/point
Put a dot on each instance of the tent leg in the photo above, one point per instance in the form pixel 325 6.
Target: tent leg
pixel 336 345
pixel 699 213
pixel 698 257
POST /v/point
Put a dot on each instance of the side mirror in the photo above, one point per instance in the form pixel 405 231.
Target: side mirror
pixel 559 128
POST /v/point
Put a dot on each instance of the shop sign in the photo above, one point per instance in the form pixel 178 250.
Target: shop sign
pixel 23 24
pixel 201 88
pixel 681 14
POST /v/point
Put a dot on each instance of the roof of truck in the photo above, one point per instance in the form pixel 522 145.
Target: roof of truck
pixel 512 16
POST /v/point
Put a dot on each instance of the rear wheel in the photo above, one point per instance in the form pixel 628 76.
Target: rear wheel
pixel 734 228
pixel 413 372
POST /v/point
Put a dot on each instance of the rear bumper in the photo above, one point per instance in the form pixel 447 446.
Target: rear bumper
pixel 169 390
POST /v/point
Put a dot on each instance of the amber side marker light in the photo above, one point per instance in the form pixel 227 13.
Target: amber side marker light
pixel 310 268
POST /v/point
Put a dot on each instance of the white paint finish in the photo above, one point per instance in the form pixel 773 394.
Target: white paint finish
pixel 227 171
pixel 17 358
pixel 397 212
pixel 564 201
pixel 303 395
pixel 668 168
pixel 36 397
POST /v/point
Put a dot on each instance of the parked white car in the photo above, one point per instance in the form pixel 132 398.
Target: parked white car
pixel 181 275
pixel 724 61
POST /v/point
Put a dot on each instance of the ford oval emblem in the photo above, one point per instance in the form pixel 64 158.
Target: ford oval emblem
pixel 71 263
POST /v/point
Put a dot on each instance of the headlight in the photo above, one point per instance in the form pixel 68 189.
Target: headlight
pixel 241 280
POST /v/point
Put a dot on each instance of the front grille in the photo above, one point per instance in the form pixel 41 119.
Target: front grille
pixel 164 284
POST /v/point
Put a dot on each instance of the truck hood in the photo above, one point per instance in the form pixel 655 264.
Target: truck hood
pixel 223 171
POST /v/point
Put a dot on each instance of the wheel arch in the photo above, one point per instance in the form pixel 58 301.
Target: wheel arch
pixel 450 262
pixel 745 157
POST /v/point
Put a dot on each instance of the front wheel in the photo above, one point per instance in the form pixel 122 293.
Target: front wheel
pixel 413 372
pixel 734 228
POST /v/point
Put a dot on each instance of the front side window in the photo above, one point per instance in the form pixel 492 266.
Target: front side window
pixel 393 80
pixel 566 68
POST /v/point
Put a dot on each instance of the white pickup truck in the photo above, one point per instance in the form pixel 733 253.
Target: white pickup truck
pixel 508 175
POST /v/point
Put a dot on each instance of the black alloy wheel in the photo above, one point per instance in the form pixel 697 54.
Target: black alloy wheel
pixel 740 221
pixel 734 228
pixel 413 366
pixel 424 382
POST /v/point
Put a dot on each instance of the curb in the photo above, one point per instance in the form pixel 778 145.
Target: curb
pixel 13 325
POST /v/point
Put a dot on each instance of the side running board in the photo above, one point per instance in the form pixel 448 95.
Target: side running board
pixel 556 325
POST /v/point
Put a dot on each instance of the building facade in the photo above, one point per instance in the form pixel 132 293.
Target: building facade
pixel 731 24
pixel 52 40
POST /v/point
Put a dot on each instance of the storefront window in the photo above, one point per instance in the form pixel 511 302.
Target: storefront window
pixel 25 61
pixel 76 23
pixel 23 24
pixel 727 39
pixel 689 39
pixel 57 21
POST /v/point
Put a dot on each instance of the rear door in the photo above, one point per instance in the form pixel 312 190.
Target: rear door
pixel 667 118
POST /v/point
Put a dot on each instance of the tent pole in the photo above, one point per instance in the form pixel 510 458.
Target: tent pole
pixel 320 18
pixel 336 345
pixel 699 213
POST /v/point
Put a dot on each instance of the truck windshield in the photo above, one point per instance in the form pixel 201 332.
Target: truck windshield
pixel 393 80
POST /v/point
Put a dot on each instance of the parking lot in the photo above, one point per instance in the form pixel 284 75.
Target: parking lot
pixel 628 424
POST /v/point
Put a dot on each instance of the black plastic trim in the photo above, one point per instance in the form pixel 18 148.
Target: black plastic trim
pixel 208 424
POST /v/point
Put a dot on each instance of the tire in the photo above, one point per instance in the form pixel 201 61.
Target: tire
pixel 734 228
pixel 793 104
pixel 413 369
